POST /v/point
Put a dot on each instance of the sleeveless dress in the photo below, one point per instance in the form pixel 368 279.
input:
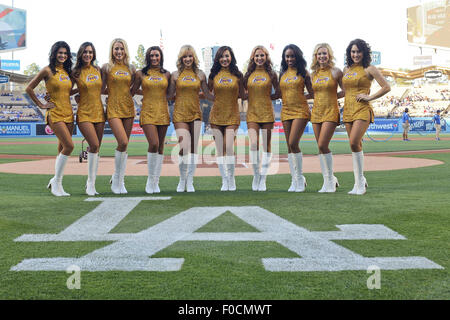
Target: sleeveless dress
pixel 187 100
pixel 225 111
pixel 325 97
pixel 90 107
pixel 120 103
pixel 155 109
pixel 260 108
pixel 59 86
pixel 292 88
pixel 355 81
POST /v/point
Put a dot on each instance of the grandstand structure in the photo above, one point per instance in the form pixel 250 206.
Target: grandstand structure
pixel 422 96
pixel 15 105
pixel 413 74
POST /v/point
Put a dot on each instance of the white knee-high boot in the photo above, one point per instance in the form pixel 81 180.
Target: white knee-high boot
pixel 123 166
pixel 254 159
pixel 265 164
pixel 151 165
pixel 115 186
pixel 291 160
pixel 300 184
pixel 96 168
pixel 360 185
pixel 223 173
pixel 159 161
pixel 182 165
pixel 334 183
pixel 55 183
pixel 330 182
pixel 231 165
pixel 92 173
pixel 192 165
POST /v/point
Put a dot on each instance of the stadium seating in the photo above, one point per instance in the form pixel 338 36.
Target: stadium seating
pixel 422 101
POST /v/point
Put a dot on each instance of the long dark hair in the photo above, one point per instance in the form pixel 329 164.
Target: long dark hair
pixel 148 63
pixel 79 63
pixel 300 62
pixel 364 48
pixel 234 70
pixel 52 58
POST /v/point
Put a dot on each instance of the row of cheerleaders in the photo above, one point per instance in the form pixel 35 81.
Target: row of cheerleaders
pixel 120 81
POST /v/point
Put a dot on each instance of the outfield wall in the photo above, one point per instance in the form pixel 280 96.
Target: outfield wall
pixel 381 126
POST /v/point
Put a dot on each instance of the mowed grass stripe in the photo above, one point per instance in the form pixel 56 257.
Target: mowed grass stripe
pixel 138 146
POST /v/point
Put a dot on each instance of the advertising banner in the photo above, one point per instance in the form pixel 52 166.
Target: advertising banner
pixel 376 58
pixel 13 65
pixel 15 129
pixel 426 125
pixel 12 28
pixel 384 125
pixel 4 79
pixel 429 24
pixel 45 130
pixel 137 129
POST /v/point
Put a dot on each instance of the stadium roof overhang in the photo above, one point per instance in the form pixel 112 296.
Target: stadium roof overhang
pixel 412 74
pixel 16 77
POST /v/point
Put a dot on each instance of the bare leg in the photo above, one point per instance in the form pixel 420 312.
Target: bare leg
pixel 63 131
pixel 151 133
pixel 184 137
pixel 218 135
pixel 121 129
pixel 93 133
pixel 297 128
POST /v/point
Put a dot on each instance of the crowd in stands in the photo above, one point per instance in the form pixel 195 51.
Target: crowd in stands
pixel 14 107
pixel 421 102
pixel 25 113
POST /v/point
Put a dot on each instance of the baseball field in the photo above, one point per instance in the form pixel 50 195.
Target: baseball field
pixel 390 244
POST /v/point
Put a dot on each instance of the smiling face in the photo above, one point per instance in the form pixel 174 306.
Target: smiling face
pixel 61 55
pixel 88 55
pixel 322 56
pixel 356 54
pixel 225 59
pixel 155 58
pixel 118 52
pixel 188 59
pixel 289 57
pixel 260 58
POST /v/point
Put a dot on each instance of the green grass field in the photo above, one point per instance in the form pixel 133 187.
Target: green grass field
pixel 138 145
pixel 414 203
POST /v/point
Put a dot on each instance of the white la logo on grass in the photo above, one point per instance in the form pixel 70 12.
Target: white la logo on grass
pixel 133 252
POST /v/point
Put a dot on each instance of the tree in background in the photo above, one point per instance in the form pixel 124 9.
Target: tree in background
pixel 32 69
pixel 140 58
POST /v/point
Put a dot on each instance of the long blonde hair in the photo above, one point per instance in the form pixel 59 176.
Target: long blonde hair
pixel 315 63
pixel 183 51
pixel 268 66
pixel 126 59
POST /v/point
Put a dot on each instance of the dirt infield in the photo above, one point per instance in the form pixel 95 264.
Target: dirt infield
pixel 137 166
